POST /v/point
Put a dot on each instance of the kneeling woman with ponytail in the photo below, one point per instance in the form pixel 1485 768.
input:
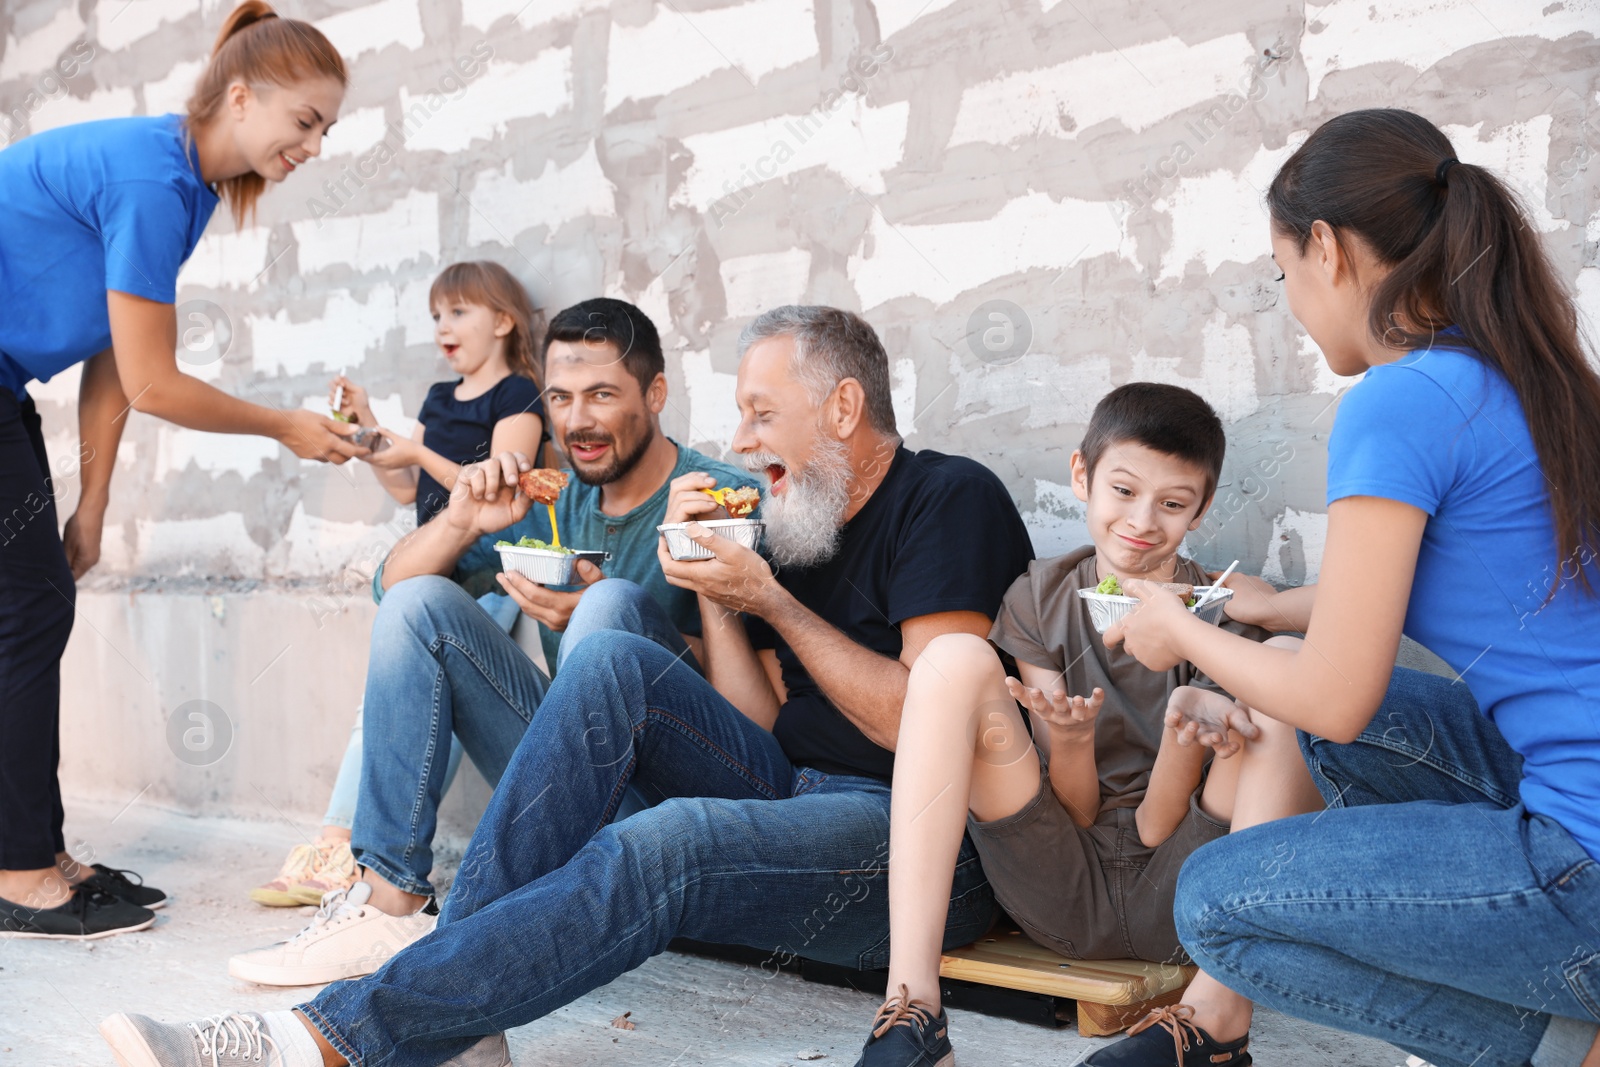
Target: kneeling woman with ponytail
pixel 99 217
pixel 1448 900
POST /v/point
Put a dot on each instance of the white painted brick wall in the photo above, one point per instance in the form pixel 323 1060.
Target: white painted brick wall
pixel 1091 162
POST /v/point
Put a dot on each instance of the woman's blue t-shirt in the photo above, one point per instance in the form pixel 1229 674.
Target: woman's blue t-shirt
pixel 1442 430
pixel 115 204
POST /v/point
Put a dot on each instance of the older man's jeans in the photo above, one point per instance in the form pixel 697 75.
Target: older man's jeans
pixel 1425 907
pixel 554 900
pixel 440 665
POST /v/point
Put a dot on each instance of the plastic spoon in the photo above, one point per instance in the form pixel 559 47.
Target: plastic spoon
pixel 1212 592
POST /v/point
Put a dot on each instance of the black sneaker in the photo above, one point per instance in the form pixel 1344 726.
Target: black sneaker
pixel 1167 1037
pixel 118 884
pixel 89 913
pixel 907 1034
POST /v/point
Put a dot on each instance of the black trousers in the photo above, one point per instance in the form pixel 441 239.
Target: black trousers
pixel 37 603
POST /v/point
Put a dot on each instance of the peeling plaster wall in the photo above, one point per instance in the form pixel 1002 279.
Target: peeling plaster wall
pixel 1098 165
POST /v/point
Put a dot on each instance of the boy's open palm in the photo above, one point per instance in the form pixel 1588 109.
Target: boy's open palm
pixel 1070 718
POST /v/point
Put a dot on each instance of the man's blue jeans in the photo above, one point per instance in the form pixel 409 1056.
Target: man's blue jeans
pixel 1425 906
pixel 554 900
pixel 440 665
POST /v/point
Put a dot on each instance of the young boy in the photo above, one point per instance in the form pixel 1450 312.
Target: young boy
pixel 1083 826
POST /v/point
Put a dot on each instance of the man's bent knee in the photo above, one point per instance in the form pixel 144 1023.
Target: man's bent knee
pixel 412 602
pixel 612 596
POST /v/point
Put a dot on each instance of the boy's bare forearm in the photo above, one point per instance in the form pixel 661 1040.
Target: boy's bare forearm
pixel 1075 778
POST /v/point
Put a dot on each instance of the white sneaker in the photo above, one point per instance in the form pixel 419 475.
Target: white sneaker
pixel 239 1038
pixel 347 938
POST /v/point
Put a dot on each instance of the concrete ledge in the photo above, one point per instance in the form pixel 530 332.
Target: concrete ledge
pixel 222 703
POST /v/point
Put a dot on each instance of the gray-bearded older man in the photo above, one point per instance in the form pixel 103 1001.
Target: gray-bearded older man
pixel 770 775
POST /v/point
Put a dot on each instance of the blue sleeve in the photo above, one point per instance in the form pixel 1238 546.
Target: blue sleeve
pixel 1398 435
pixel 933 571
pixel 144 226
pixel 516 395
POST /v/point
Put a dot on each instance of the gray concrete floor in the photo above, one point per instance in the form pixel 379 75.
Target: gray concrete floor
pixel 689 1011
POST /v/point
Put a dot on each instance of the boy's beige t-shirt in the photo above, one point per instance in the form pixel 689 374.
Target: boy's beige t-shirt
pixel 1044 622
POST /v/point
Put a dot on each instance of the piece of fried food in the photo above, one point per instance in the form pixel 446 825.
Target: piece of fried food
pixel 739 503
pixel 543 484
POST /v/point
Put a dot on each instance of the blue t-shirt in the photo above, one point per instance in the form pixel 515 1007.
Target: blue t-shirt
pixel 630 539
pixel 115 204
pixel 463 430
pixel 1442 430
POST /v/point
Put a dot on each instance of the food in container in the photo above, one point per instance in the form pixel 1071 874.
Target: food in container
pixel 1107 603
pixel 369 437
pixel 544 563
pixel 738 503
pixel 543 485
pixel 746 532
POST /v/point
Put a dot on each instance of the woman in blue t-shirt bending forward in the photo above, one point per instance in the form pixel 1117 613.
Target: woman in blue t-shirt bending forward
pixel 98 219
pixel 1448 900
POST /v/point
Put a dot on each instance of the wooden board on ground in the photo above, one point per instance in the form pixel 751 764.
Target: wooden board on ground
pixel 1111 994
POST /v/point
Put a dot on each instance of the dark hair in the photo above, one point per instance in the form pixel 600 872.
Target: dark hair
pixel 490 285
pixel 604 320
pixel 831 345
pixel 1460 253
pixel 1169 419
pixel 257 47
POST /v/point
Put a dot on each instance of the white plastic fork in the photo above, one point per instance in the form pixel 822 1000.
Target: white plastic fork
pixel 1211 593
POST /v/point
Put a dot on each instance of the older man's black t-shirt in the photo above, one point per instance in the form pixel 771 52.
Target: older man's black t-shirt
pixel 940 534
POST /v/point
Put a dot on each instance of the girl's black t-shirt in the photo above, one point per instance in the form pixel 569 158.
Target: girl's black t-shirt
pixel 941 533
pixel 462 430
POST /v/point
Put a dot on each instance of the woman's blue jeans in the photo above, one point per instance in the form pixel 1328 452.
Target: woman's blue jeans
pixel 1425 907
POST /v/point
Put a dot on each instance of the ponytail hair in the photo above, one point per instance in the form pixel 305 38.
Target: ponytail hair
pixel 488 284
pixel 257 47
pixel 1461 253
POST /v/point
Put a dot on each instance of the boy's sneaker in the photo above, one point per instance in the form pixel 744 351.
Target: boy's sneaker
pixel 906 1033
pixel 118 884
pixel 89 913
pixel 335 870
pixel 347 938
pixel 1168 1037
pixel 239 1038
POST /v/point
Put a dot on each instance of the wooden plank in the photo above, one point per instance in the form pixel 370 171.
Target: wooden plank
pixel 1012 961
pixel 1103 1020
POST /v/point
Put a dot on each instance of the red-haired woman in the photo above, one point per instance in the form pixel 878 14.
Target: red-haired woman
pixel 99 217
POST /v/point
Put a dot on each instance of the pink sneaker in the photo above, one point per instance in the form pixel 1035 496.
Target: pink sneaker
pixel 301 864
pixel 336 869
